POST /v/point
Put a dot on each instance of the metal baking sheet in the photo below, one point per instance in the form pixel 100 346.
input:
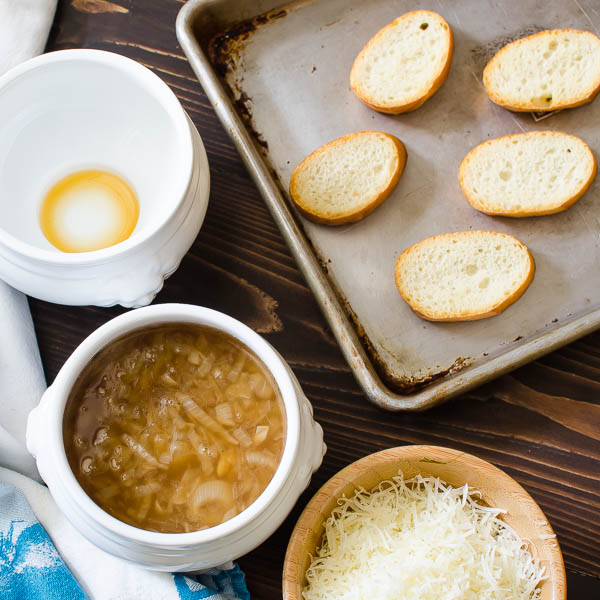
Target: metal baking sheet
pixel 277 76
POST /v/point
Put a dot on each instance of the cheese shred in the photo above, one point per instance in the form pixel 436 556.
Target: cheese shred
pixel 418 539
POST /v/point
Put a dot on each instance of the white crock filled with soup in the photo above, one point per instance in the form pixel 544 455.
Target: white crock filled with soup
pixel 175 438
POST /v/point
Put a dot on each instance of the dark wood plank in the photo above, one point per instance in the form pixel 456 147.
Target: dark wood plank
pixel 541 424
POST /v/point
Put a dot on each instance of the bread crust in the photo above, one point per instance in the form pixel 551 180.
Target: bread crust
pixel 525 213
pixel 363 211
pixel 410 106
pixel 528 107
pixel 475 316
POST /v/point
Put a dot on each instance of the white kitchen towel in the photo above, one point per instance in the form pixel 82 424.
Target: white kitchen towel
pixel 21 379
pixel 24 28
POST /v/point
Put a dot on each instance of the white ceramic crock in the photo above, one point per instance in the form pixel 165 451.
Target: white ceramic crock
pixel 302 455
pixel 78 109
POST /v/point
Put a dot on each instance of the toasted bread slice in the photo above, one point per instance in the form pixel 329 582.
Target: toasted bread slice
pixel 527 174
pixel 464 276
pixel 403 64
pixel 549 70
pixel 348 178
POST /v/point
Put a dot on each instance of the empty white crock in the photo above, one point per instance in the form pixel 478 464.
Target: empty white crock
pixel 302 455
pixel 81 109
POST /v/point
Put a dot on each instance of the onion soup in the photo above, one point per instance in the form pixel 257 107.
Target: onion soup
pixel 174 428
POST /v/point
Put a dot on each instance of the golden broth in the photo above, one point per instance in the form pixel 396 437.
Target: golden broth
pixel 174 428
pixel 89 210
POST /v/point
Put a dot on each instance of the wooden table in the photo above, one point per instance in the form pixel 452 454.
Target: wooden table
pixel 541 423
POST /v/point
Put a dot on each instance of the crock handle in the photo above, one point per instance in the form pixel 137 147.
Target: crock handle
pixel 37 424
pixel 312 437
pixel 139 286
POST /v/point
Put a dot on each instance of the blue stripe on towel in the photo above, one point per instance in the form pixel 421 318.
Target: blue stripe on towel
pixel 214 584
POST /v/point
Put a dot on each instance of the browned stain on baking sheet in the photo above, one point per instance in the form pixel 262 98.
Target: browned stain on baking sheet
pixel 400 385
pixel 243 105
pixel 224 48
pixel 224 52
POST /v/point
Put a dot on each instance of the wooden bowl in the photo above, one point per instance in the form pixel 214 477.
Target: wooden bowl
pixel 452 466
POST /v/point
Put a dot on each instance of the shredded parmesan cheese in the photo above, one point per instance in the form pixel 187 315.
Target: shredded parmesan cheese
pixel 420 539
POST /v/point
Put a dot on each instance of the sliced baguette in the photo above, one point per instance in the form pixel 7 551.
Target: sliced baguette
pixel 348 178
pixel 403 64
pixel 527 174
pixel 549 70
pixel 464 276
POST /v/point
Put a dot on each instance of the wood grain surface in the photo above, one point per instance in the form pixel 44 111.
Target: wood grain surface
pixel 541 424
